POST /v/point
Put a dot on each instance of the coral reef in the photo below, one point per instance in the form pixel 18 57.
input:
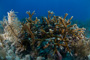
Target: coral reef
pixel 51 39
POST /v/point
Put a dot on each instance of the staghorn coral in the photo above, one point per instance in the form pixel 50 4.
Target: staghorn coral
pixel 52 38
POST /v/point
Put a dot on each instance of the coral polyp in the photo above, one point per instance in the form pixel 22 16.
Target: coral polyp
pixel 51 39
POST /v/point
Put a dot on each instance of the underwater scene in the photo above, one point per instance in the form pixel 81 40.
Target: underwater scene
pixel 44 29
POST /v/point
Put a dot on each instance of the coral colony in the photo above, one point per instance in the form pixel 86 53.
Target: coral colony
pixel 51 39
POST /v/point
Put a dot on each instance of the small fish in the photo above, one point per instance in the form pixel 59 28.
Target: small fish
pixel 59 55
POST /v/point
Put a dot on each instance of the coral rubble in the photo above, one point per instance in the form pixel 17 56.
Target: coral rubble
pixel 51 39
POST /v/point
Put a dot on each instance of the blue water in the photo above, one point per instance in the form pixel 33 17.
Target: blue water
pixel 80 9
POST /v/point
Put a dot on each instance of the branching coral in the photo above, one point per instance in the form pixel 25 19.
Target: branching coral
pixel 52 39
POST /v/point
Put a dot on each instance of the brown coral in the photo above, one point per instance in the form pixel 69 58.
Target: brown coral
pixel 54 33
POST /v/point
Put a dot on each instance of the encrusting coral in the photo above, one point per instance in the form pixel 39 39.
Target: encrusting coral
pixel 50 39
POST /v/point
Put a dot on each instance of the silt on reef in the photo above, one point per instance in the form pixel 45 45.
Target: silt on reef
pixel 51 39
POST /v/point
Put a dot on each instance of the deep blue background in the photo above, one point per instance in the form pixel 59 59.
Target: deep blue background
pixel 80 9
